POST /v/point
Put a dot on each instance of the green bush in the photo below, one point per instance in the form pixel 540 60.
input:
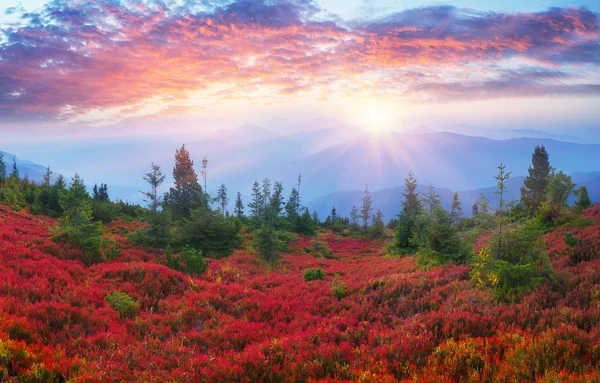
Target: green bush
pixel 338 287
pixel 122 303
pixel 267 244
pixel 314 275
pixel 319 249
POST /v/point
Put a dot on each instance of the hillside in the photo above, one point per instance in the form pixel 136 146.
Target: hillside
pixel 244 322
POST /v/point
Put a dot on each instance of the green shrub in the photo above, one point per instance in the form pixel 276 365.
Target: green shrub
pixel 267 244
pixel 194 261
pixel 319 249
pixel 122 303
pixel 338 287
pixel 314 275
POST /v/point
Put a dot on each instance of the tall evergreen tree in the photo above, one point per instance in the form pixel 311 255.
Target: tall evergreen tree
pixel 15 171
pixel 333 216
pixel 276 202
pixel 431 199
pixel 222 197
pixel 257 204
pixel 475 210
pixel 583 199
pixel 501 179
pixel 407 219
pixel 412 204
pixel 292 207
pixel 75 203
pixel 204 172
pixel 378 227
pixel 533 193
pixel 483 204
pixel 187 192
pixel 154 178
pixel 354 217
pixel 238 210
pixel 455 209
pixel 266 192
pixel 2 168
pixel 365 211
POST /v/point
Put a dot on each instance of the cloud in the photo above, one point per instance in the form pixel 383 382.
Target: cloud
pixel 73 57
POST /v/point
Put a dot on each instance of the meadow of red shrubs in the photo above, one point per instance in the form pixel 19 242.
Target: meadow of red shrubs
pixel 242 321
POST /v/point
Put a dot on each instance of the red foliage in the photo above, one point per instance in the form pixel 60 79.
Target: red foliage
pixel 244 322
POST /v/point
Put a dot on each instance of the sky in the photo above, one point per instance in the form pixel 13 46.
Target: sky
pixel 108 68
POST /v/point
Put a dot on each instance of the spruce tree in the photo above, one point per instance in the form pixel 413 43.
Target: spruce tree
pixel 354 217
pixel 257 204
pixel 583 199
pixel 266 192
pixel 483 204
pixel 365 211
pixel 14 175
pixel 238 210
pixel 455 209
pixel 187 192
pixel 222 197
pixel 2 168
pixel 533 193
pixel 292 207
pixel 333 216
pixel 431 199
pixel 407 219
pixel 378 227
pixel 475 210
pixel 275 203
pixel 154 178
pixel 501 179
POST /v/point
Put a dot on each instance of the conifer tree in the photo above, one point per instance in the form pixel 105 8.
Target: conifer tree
pixel 365 211
pixel 204 172
pixel 333 216
pixel 154 178
pixel 292 207
pixel 501 179
pixel 2 168
pixel 222 197
pixel 431 200
pixel 276 201
pixel 378 227
pixel 238 210
pixel 407 219
pixel 475 210
pixel 257 204
pixel 533 193
pixel 187 192
pixel 455 209
pixel 583 199
pixel 266 192
pixel 14 175
pixel 483 204
pixel 354 217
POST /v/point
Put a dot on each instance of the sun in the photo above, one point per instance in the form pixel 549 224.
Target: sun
pixel 376 120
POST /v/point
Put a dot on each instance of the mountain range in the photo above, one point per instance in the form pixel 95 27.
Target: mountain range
pixel 336 162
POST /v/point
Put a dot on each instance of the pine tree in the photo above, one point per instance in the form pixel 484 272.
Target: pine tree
pixel 204 172
pixel 483 204
pixel 475 210
pixel 47 177
pixel 187 193
pixel 365 211
pixel 412 203
pixel 378 227
pixel 222 197
pixel 533 193
pixel 583 199
pixel 407 219
pixel 455 209
pixel 292 207
pixel 154 178
pixel 75 202
pixel 354 217
pixel 14 175
pixel 501 179
pixel 2 168
pixel 266 192
pixel 257 204
pixel 276 201
pixel 333 216
pixel 238 210
pixel 431 199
